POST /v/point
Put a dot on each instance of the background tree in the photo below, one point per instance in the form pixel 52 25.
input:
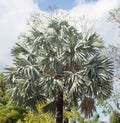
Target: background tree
pixel 115 15
pixel 60 64
pixel 113 51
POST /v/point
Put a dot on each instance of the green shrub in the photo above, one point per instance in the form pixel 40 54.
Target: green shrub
pixel 39 117
pixel 115 117
pixel 10 113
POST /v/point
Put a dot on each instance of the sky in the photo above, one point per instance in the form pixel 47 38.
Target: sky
pixel 64 4
pixel 14 13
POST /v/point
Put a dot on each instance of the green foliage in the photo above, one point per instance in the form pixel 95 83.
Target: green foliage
pixel 74 115
pixel 94 120
pixel 115 117
pixel 7 116
pixel 10 113
pixel 2 85
pixel 39 117
pixel 3 100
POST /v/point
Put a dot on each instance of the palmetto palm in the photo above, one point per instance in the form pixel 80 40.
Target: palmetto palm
pixel 59 64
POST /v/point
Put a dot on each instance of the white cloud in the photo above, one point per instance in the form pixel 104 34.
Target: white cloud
pixel 99 11
pixel 13 15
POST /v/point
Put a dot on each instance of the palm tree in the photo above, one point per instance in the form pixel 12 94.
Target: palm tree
pixel 60 64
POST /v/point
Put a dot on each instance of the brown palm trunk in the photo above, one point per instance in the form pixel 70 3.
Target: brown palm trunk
pixel 59 107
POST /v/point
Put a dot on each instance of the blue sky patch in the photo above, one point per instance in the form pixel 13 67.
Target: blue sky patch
pixel 59 4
